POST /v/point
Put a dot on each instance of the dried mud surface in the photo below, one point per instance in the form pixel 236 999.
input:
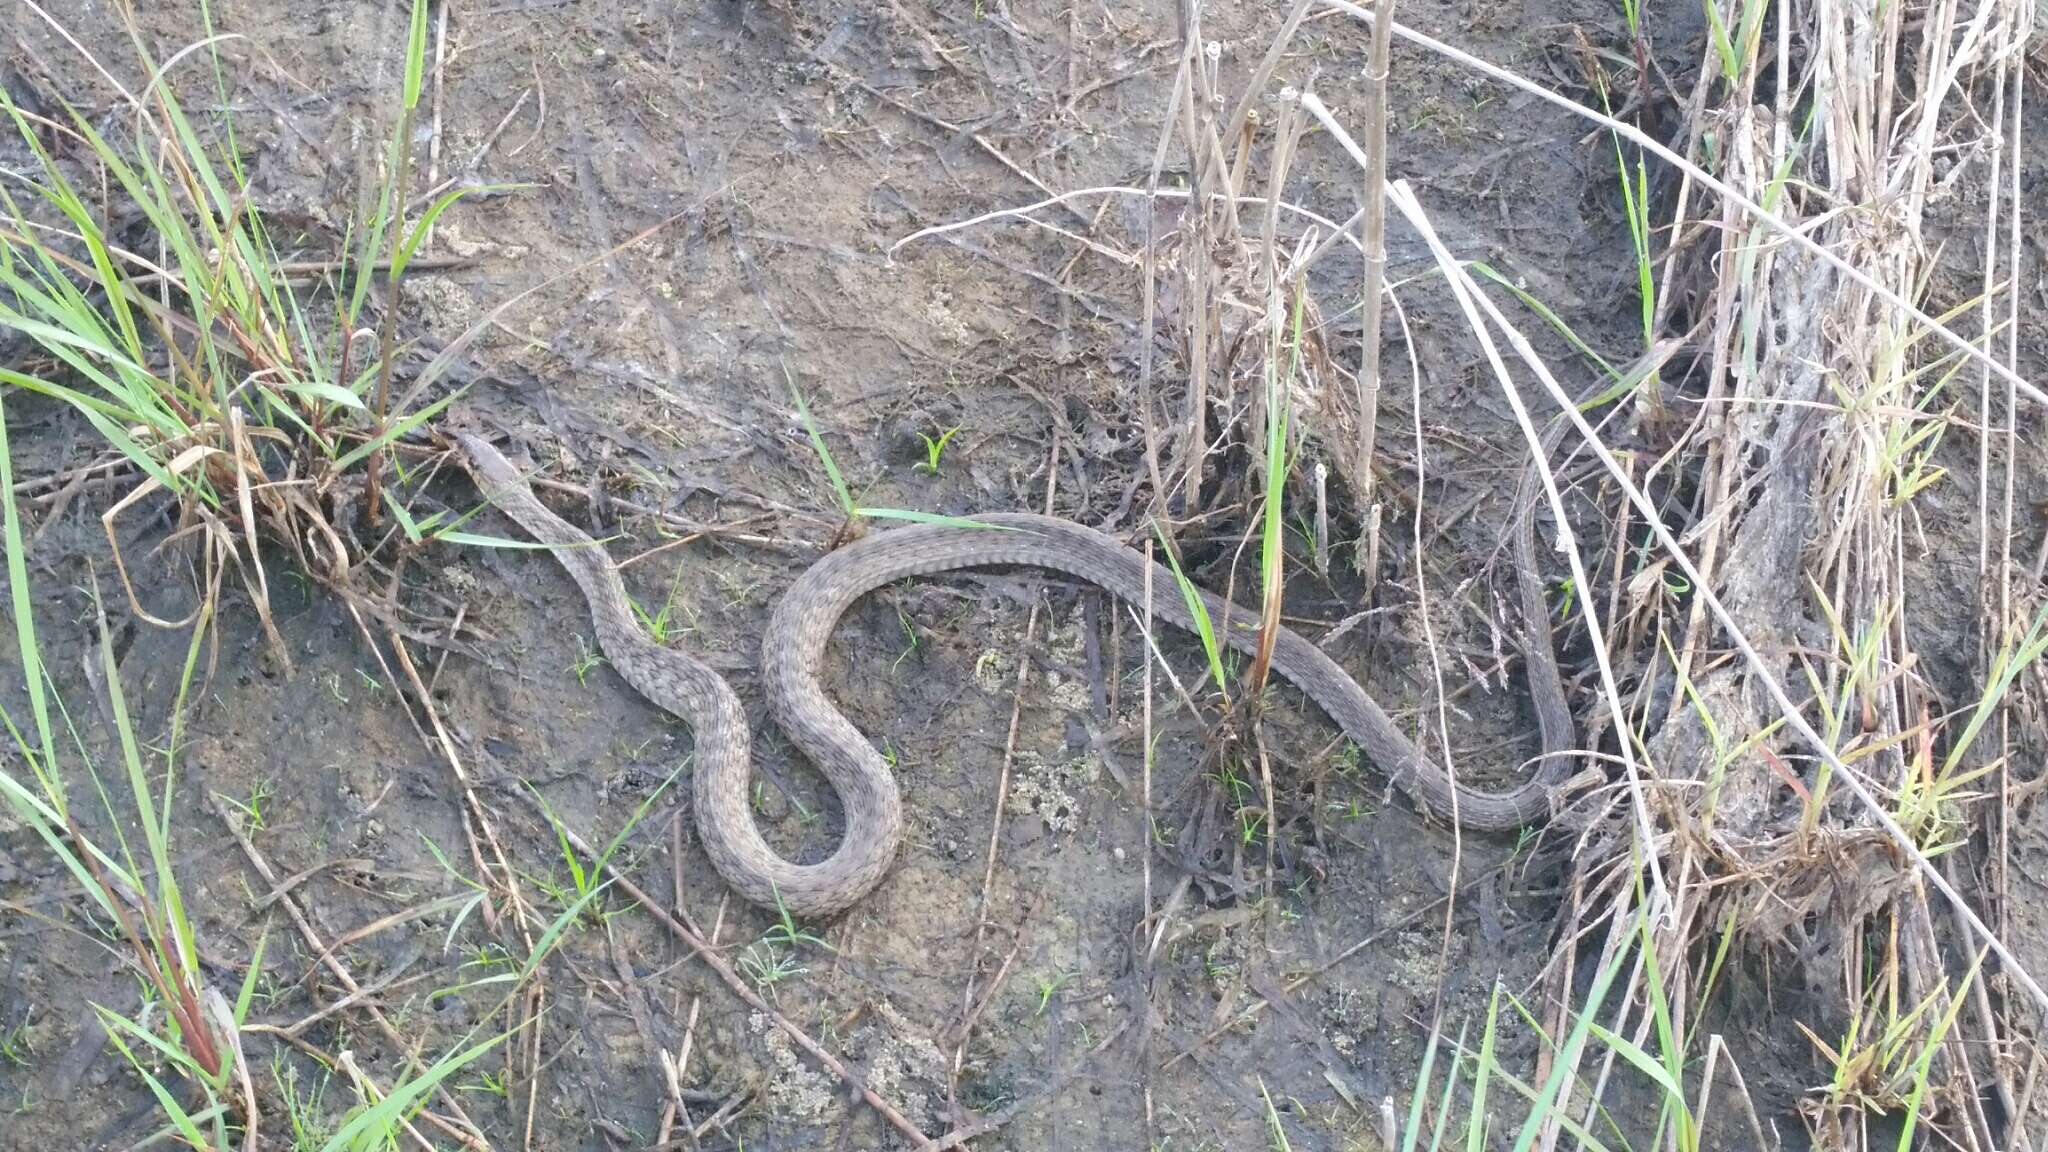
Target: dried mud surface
pixel 774 141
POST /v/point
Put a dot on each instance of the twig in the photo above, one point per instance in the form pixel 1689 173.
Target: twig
pixel 673 1071
pixel 684 524
pixel 1252 1011
pixel 1147 835
pixel 471 1135
pixel 957 1037
pixel 446 744
pixel 1147 411
pixel 1328 227
pixel 980 141
pixel 1443 717
pixel 995 828
pixel 718 964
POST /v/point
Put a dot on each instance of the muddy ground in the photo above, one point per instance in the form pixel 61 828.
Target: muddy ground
pixel 787 147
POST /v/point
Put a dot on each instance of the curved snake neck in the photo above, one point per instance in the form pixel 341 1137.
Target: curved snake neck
pixel 794 646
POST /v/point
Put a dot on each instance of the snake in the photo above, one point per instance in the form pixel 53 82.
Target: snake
pixel 801 624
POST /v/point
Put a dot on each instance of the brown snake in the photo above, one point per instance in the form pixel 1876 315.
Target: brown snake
pixel 794 646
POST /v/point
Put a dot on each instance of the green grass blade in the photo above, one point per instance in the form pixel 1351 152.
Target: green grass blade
pixel 1568 1056
pixel 932 518
pixel 1671 1075
pixel 1925 1060
pixel 1412 1131
pixel 562 839
pixel 1717 30
pixel 384 1118
pixel 1273 515
pixel 247 995
pixel 1543 311
pixel 45 767
pixel 1276 1136
pixel 425 225
pixel 155 827
pixel 561 924
pixel 475 540
pixel 403 426
pixel 2008 669
pixel 1475 1118
pixel 803 411
pixel 1642 1061
pixel 1443 1106
pixel 1192 597
pixel 119 1031
pixel 46 822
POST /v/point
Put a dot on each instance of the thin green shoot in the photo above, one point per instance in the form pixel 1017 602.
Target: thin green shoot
pixel 1724 48
pixel 42 756
pixel 1880 1064
pixel 589 886
pixel 1669 1074
pixel 661 626
pixel 766 965
pixel 377 1126
pixel 1249 821
pixel 164 943
pixel 786 932
pixel 1924 1062
pixel 1443 1107
pixel 1276 1135
pixel 1543 311
pixel 1521 1089
pixel 15 1047
pixel 587 661
pixel 1205 628
pixel 145 1052
pixel 486 1084
pixel 478 894
pixel 402 246
pixel 303 1108
pixel 910 643
pixel 1546 1100
pixel 1048 987
pixel 1272 553
pixel 832 472
pixel 1475 1123
pixel 914 517
pixel 853 509
pixel 577 876
pixel 935 450
pixel 1635 199
pixel 251 809
pixel 1412 1130
pixel 2012 660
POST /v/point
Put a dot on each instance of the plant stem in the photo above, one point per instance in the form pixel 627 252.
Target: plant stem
pixel 387 331
pixel 1374 241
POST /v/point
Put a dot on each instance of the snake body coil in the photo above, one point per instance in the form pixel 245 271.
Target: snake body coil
pixel 794 646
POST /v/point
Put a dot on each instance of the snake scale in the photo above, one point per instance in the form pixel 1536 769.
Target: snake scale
pixel 802 622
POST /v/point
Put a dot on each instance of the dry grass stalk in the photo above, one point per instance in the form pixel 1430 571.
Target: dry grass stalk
pixel 1374 238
